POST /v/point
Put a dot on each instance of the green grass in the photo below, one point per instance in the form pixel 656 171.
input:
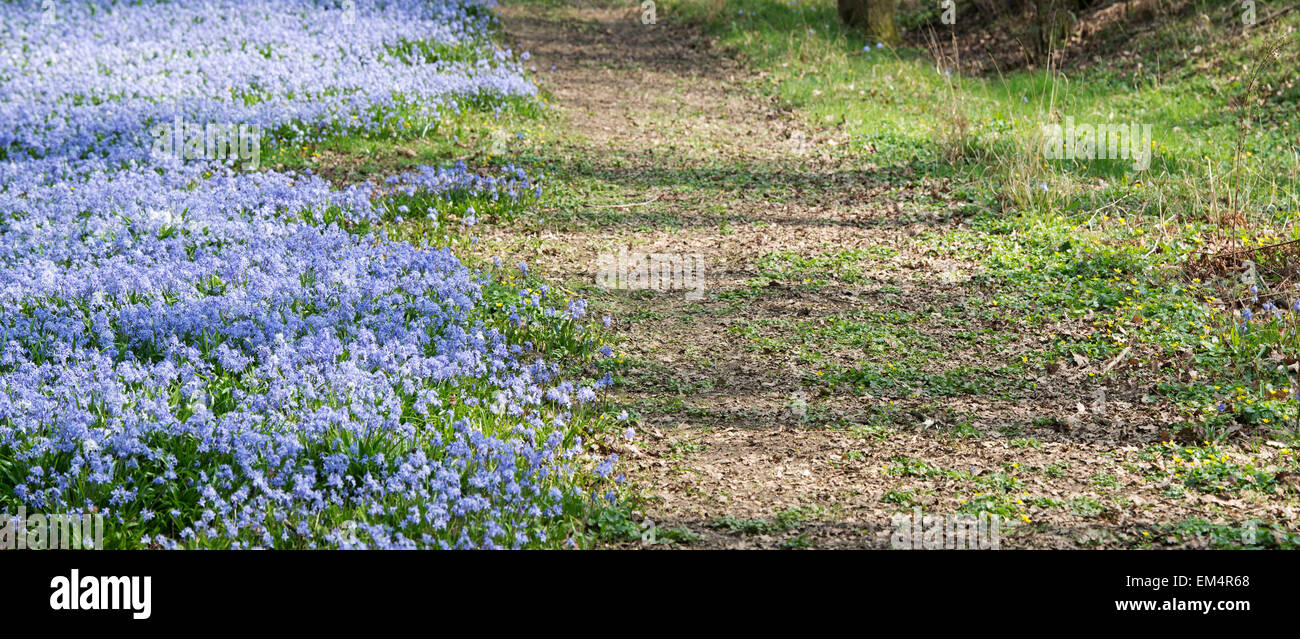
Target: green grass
pixel 784 521
pixel 1095 244
pixel 1207 469
pixel 1241 535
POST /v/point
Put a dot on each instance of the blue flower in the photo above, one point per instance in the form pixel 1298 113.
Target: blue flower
pixel 195 327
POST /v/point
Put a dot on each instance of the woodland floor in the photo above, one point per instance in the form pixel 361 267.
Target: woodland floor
pixel 668 146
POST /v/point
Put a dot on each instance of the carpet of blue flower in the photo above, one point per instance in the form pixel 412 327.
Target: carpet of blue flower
pixel 221 358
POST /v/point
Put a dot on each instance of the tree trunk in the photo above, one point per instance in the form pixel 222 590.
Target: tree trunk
pixel 874 17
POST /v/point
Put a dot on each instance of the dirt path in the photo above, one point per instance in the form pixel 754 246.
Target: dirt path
pixel 670 148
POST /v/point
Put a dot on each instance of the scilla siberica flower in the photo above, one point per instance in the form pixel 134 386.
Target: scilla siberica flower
pixel 171 325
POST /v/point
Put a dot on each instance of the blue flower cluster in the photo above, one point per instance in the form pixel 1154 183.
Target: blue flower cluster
pixel 512 183
pixel 209 357
pixel 95 76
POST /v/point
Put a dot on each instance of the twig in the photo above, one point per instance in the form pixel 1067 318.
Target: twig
pixel 1116 361
pixel 1247 251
